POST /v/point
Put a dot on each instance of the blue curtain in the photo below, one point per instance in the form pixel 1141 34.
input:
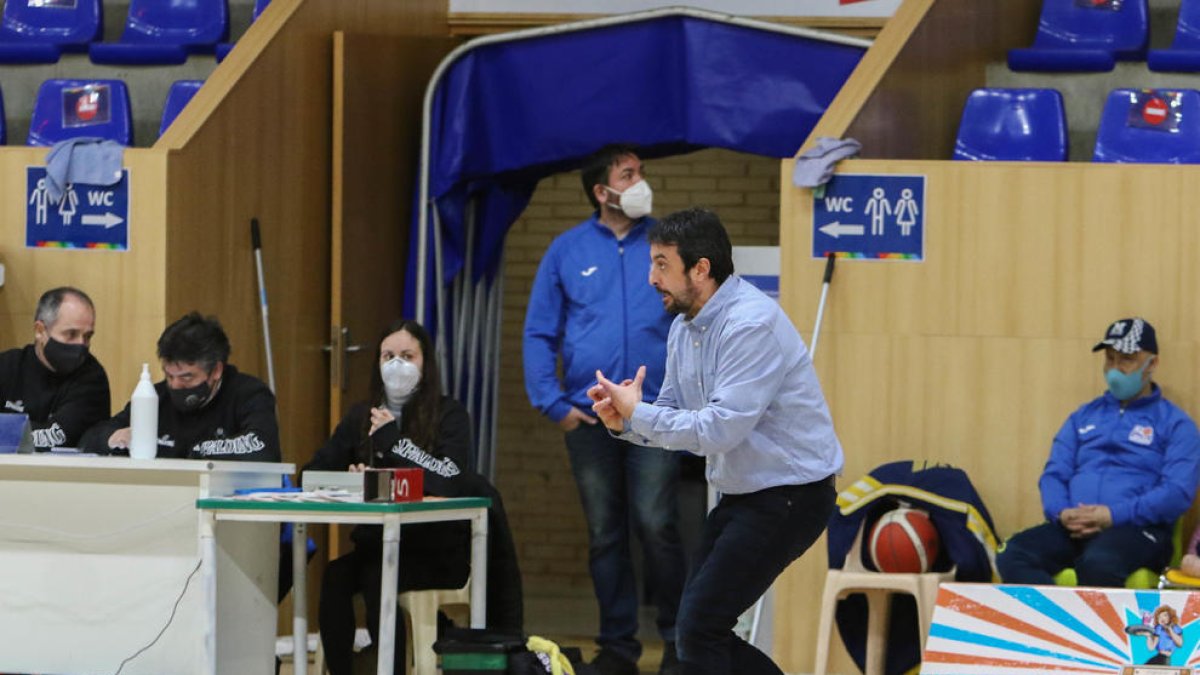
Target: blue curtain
pixel 506 115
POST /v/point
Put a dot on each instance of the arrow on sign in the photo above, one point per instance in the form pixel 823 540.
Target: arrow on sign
pixel 110 220
pixel 835 229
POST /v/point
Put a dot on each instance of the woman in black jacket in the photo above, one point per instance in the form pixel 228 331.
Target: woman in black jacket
pixel 409 423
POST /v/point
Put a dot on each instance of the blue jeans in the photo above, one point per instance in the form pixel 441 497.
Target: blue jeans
pixel 748 541
pixel 1035 555
pixel 619 481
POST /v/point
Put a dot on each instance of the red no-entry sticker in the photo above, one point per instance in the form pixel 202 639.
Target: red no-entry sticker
pixel 87 106
pixel 1155 111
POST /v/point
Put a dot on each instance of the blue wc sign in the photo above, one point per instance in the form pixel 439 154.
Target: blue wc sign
pixel 86 216
pixel 870 217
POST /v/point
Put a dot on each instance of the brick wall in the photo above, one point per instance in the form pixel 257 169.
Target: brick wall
pixel 532 470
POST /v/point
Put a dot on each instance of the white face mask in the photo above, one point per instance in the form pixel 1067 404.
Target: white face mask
pixel 636 200
pixel 400 377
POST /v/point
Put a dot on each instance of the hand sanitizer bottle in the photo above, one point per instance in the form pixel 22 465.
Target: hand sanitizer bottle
pixel 143 418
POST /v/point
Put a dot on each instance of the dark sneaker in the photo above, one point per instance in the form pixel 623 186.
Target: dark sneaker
pixel 670 661
pixel 608 662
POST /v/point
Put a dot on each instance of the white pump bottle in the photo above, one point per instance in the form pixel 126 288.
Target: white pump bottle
pixel 143 418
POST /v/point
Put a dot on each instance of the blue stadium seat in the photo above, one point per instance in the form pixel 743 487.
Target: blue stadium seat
pixel 178 96
pixel 1127 132
pixel 224 48
pixel 1184 54
pixel 158 32
pixel 1076 37
pixel 39 33
pixel 72 108
pixel 1013 124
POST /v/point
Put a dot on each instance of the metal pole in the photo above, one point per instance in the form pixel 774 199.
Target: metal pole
pixel 465 305
pixel 440 335
pixel 256 242
pixel 829 262
pixel 495 320
pixel 473 372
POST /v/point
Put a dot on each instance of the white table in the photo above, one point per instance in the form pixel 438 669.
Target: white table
pixel 96 554
pixel 390 515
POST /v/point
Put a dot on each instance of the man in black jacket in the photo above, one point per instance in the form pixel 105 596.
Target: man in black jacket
pixel 206 408
pixel 55 380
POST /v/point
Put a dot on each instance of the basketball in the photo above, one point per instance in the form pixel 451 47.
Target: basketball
pixel 904 541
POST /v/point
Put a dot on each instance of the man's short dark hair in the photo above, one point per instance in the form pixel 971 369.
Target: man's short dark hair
pixel 596 168
pixel 696 233
pixel 51 300
pixel 194 339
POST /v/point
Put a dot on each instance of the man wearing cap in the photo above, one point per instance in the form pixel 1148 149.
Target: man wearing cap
pixel 1122 470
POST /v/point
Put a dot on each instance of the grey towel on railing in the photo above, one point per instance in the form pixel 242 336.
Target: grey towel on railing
pixel 93 161
pixel 815 166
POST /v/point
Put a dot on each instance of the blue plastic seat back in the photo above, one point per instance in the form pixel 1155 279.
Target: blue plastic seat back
pixel 1067 24
pixel 260 6
pixel 177 22
pixel 70 24
pixel 1184 54
pixel 73 108
pixel 178 95
pixel 1013 124
pixel 1187 32
pixel 1121 138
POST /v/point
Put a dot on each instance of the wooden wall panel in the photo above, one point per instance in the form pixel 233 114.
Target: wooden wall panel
pixel 127 286
pixel 258 144
pixel 976 356
pixel 905 99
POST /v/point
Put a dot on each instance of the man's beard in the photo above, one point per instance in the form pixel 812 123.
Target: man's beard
pixel 682 303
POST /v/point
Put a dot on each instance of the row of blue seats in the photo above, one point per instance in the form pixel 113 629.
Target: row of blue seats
pixel 156 31
pixel 1092 35
pixel 96 108
pixel 1159 126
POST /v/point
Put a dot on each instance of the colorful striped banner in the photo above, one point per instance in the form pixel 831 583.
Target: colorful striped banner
pixel 984 629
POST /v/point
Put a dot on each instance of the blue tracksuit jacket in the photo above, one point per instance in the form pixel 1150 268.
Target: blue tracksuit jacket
pixel 592 303
pixel 1142 462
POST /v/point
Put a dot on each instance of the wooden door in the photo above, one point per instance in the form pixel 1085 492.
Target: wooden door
pixel 378 86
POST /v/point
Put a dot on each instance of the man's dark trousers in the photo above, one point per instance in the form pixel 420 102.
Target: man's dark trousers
pixel 748 541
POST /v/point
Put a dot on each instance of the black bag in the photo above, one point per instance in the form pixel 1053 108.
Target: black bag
pixel 467 651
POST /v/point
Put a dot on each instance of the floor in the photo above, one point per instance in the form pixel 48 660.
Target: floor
pixel 651 655
pixel 570 621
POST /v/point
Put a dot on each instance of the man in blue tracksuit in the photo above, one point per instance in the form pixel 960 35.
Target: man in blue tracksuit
pixel 1122 470
pixel 592 307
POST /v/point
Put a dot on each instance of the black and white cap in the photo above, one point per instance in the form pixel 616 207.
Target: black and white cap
pixel 1129 336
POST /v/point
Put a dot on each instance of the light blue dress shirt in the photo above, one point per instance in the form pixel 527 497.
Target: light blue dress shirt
pixel 740 389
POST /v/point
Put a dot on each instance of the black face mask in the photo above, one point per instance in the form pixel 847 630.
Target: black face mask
pixel 64 358
pixel 192 398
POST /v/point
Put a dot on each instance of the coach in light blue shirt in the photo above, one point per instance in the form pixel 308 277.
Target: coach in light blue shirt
pixel 740 389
